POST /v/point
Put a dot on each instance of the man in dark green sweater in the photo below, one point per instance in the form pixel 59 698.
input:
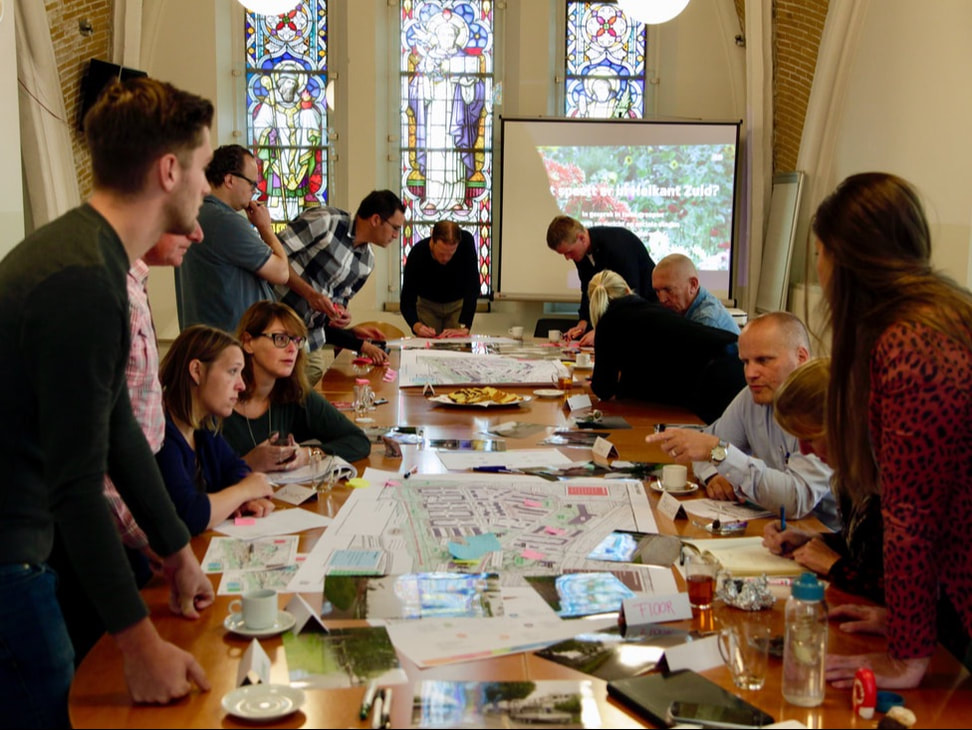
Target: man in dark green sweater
pixel 66 423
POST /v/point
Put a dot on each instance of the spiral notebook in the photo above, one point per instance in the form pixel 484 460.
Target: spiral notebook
pixel 331 466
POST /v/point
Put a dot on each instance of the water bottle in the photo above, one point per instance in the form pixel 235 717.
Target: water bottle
pixel 805 645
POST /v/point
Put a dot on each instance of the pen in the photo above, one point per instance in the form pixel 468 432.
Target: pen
pixel 782 518
pixel 494 469
pixel 386 707
pixel 369 697
pixel 410 472
pixel 376 711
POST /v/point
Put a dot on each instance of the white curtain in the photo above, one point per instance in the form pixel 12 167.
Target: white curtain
pixel 49 172
pixel 758 172
pixel 127 37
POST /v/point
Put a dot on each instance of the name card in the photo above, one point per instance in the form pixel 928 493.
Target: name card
pixel 578 402
pixel 603 450
pixel 254 666
pixel 303 612
pixel 642 610
pixel 670 507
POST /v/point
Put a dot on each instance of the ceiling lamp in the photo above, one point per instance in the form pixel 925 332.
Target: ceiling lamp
pixel 649 12
pixel 269 7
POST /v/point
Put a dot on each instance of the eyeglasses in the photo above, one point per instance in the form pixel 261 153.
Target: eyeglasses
pixel 253 183
pixel 282 339
pixel 395 228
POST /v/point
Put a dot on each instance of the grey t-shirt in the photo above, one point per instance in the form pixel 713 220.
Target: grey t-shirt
pixel 217 281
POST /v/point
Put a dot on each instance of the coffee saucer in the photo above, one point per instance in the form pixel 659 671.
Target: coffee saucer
pixel 548 393
pixel 263 702
pixel 687 489
pixel 234 622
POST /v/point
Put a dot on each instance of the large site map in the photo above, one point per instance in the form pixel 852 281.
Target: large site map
pixel 542 527
pixel 418 367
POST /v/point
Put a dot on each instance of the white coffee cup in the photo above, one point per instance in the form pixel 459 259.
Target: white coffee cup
pixel 516 333
pixel 583 360
pixel 259 608
pixel 674 476
pixel 554 335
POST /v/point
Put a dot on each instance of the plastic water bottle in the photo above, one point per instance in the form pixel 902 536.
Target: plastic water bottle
pixel 805 645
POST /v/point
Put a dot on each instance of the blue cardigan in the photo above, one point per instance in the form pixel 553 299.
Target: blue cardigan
pixel 214 461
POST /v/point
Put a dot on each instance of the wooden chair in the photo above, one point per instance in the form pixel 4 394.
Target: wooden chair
pixel 390 331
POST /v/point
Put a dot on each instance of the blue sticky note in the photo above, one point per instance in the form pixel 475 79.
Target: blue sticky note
pixel 354 561
pixel 475 547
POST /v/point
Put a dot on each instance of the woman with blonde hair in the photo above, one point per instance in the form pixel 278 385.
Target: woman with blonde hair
pixel 646 352
pixel 850 559
pixel 899 414
pixel 201 378
pixel 277 410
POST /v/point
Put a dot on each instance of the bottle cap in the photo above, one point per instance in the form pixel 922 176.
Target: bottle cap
pixel 864 695
pixel 808 588
pixel 886 700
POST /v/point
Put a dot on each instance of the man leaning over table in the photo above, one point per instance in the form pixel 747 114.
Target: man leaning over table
pixel 330 260
pixel 744 455
pixel 84 625
pixel 63 289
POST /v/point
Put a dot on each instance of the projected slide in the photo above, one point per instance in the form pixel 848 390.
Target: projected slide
pixel 671 183
pixel 676 198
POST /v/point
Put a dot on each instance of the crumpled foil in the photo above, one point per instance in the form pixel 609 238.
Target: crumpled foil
pixel 749 594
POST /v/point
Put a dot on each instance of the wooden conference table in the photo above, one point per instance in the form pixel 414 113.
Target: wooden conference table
pixel 99 697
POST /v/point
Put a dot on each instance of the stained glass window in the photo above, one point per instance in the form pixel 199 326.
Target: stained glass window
pixel 446 73
pixel 286 84
pixel 605 65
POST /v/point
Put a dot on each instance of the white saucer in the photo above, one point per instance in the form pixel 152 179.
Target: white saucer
pixel 688 489
pixel 548 393
pixel 263 701
pixel 284 622
pixel 583 367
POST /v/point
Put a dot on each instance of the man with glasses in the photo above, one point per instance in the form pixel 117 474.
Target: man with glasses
pixel 330 260
pixel 236 262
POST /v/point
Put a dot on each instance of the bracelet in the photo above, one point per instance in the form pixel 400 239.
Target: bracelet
pixel 314 453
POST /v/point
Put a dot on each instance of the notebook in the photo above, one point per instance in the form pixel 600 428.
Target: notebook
pixel 652 694
pixel 331 465
pixel 746 557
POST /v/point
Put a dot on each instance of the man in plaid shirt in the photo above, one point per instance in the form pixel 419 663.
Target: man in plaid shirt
pixel 330 260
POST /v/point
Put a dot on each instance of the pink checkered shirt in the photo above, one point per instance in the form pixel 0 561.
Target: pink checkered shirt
pixel 144 390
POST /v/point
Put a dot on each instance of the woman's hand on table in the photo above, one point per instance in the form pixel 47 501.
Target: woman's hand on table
pixel 890 673
pixel 817 556
pixel 190 590
pixel 257 507
pixel 377 355
pixel 423 330
pixel 784 542
pixel 864 619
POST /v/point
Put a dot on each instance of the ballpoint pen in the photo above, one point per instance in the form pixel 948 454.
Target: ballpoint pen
pixel 495 469
pixel 782 519
pixel 386 707
pixel 377 710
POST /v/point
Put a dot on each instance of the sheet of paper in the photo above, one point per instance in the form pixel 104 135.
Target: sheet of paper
pixel 712 509
pixel 230 553
pixel 279 522
pixel 697 655
pixel 238 582
pixel 433 642
pixel 514 459
pixel 254 666
pixel 643 609
pixel 444 368
pixel 294 494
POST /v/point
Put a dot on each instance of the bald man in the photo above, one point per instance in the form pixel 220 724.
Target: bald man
pixel 744 455
pixel 676 282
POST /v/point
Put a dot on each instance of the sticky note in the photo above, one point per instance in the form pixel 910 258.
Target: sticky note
pixel 533 555
pixel 358 483
pixel 532 503
pixel 244 521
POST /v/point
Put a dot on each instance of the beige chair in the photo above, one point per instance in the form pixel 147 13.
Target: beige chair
pixel 390 331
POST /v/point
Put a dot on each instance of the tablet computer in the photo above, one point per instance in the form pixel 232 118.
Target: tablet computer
pixel 652 696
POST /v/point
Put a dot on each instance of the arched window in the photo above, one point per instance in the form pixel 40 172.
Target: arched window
pixel 446 73
pixel 286 102
pixel 605 62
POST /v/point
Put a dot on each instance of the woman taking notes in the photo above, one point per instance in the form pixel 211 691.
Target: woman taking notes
pixel 201 378
pixel 899 414
pixel 277 410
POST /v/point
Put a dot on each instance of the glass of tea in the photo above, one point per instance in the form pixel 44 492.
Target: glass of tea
pixel 701 573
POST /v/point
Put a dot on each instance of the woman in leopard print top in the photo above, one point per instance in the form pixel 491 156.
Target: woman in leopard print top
pixel 902 354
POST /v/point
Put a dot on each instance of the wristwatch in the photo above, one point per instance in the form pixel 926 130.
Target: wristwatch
pixel 718 453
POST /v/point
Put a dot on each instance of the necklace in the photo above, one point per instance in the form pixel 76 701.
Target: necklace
pixel 269 424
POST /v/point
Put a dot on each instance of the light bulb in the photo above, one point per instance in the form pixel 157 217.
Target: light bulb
pixel 652 12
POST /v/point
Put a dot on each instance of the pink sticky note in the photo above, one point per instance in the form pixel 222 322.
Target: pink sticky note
pixel 389 375
pixel 533 555
pixel 554 530
pixel 532 503
pixel 244 521
pixel 392 483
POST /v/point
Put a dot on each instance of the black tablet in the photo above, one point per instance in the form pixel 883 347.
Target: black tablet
pixel 652 696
